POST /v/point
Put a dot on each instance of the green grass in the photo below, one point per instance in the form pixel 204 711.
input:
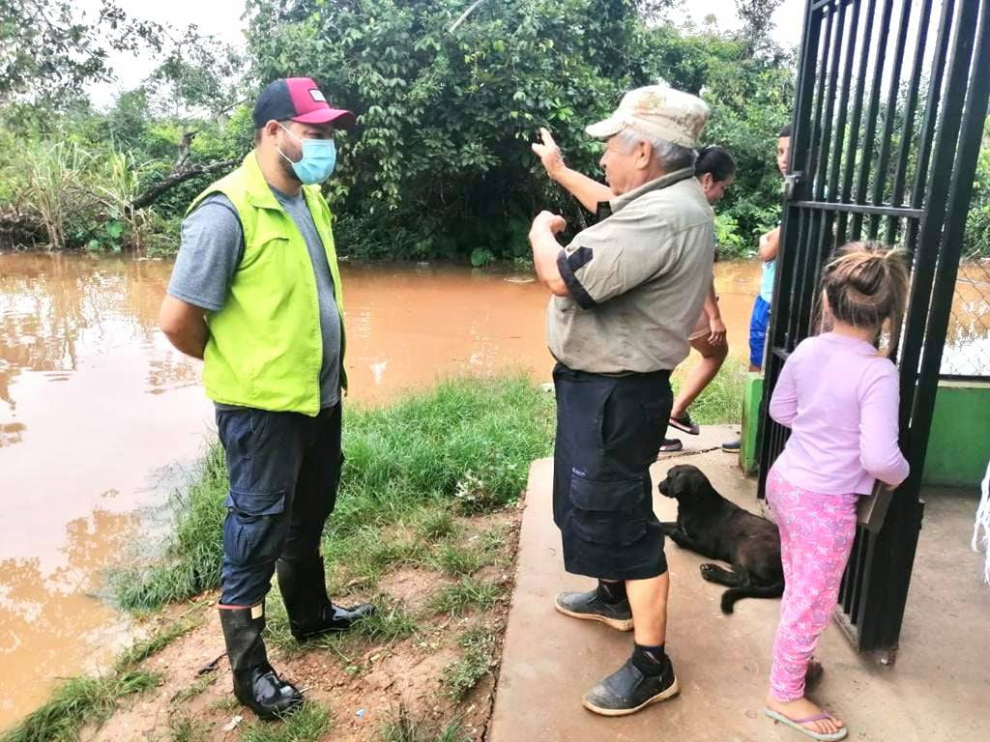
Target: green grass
pixel 435 524
pixel 183 728
pixel 77 702
pixel 364 555
pixel 459 561
pixel 308 724
pixel 196 688
pixel 466 442
pixel 721 401
pixel 467 595
pixel 461 676
pixel 143 650
pixel 191 563
pixel 403 728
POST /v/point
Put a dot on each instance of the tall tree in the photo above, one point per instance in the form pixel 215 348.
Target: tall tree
pixel 757 18
pixel 48 46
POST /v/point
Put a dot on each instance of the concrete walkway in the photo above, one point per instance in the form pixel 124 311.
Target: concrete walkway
pixel 938 690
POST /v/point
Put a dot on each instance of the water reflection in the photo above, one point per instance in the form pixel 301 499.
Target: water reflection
pixel 49 626
pixel 92 401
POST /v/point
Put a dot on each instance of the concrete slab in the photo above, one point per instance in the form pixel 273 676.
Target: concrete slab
pixel 938 690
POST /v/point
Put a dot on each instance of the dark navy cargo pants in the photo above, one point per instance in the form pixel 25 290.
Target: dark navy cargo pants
pixel 284 469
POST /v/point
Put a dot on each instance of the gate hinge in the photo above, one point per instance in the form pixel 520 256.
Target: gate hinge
pixel 791 182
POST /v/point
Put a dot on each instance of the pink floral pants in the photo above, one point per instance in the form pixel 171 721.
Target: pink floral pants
pixel 816 536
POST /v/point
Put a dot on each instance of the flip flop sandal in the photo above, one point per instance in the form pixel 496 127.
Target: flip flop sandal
pixel 796 724
pixel 685 424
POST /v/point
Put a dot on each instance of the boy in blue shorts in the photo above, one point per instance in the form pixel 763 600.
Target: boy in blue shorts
pixel 759 322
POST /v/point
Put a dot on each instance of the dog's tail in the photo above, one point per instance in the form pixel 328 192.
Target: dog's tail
pixel 730 596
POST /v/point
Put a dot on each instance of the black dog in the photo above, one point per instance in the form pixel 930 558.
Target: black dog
pixel 712 526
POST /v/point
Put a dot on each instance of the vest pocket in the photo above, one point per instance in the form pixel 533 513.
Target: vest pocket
pixel 608 512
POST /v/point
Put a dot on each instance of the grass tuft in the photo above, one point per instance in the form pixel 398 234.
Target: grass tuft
pixel 389 623
pixel 196 688
pixel 191 562
pixel 459 561
pixel 721 401
pixel 460 677
pixel 436 524
pixel 403 728
pixel 182 728
pixel 466 595
pixel 143 650
pixel 77 702
pixel 365 554
pixel 309 724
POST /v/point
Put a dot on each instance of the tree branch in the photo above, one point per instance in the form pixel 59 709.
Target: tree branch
pixel 175 178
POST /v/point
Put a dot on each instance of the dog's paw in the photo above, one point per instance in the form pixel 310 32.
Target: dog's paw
pixel 708 571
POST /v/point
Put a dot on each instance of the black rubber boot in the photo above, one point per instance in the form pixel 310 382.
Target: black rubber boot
pixel 256 684
pixel 304 589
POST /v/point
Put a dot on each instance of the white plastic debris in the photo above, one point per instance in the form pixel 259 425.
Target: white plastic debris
pixel 983 524
pixel 232 724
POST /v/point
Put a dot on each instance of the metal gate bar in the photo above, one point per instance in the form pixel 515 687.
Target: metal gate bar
pixel 847 174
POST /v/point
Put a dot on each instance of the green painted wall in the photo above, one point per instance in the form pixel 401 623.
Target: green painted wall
pixel 959 445
pixel 750 422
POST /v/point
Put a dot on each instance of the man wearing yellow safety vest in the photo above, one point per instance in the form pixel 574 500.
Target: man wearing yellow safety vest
pixel 256 294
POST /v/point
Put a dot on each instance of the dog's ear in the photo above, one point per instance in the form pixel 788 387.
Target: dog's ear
pixel 679 484
pixel 666 485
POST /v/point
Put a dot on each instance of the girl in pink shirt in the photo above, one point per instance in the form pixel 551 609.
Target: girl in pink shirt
pixel 839 397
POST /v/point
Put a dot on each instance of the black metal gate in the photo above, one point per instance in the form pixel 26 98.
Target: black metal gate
pixel 890 105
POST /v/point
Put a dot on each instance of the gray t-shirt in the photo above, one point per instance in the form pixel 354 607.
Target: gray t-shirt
pixel 211 250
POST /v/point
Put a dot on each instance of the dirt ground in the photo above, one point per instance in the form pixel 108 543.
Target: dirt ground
pixel 365 683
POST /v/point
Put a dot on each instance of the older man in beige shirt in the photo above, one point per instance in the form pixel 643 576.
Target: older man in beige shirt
pixel 627 293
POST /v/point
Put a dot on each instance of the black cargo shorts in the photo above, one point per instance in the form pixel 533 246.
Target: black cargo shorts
pixel 609 432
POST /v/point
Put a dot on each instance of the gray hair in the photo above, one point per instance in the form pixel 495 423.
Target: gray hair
pixel 670 156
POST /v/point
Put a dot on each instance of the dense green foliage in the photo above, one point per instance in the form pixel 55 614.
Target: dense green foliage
pixel 978 225
pixel 440 165
pixel 447 102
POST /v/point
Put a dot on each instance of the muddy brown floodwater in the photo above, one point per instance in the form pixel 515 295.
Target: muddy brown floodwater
pixel 100 418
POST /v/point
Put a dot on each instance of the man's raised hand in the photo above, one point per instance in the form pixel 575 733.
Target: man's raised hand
pixel 549 153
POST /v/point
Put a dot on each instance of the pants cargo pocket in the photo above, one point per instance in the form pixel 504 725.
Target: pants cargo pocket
pixel 608 512
pixel 255 527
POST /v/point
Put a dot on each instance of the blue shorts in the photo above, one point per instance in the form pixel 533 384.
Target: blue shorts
pixel 759 323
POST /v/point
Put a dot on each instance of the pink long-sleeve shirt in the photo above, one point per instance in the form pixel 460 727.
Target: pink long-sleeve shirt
pixel 840 400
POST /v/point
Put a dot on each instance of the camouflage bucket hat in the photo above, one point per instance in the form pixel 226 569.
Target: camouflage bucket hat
pixel 658 111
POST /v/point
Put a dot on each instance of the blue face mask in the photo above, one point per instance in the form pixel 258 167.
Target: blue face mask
pixel 318 160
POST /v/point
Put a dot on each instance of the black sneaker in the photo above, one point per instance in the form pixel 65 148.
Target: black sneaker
pixel 627 690
pixel 590 607
pixel 685 424
pixel 732 446
pixel 670 445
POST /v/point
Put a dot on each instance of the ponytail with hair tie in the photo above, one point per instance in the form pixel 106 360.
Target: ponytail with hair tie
pixel 866 286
